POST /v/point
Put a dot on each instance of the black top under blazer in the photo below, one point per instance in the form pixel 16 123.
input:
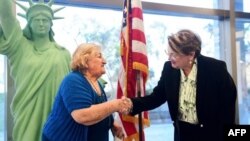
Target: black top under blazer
pixel 215 94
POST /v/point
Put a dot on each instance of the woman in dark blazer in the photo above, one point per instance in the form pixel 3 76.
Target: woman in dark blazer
pixel 200 92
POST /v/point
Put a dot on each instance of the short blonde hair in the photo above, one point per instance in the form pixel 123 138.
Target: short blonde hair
pixel 81 55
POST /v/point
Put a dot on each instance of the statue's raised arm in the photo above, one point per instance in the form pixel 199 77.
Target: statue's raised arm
pixel 7 16
pixel 37 64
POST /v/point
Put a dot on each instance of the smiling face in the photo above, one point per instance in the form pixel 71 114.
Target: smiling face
pixel 179 60
pixel 183 48
pixel 96 63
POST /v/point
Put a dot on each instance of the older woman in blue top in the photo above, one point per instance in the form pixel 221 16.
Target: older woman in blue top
pixel 81 111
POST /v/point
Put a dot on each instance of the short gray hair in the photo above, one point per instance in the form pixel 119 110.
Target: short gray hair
pixel 185 41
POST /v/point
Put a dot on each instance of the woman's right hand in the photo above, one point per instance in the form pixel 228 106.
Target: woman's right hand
pixel 125 105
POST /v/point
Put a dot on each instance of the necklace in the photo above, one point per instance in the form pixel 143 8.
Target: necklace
pixel 98 91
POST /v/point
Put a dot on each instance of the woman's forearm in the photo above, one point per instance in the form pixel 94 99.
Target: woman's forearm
pixel 98 112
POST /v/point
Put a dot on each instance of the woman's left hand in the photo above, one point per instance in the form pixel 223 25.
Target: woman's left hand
pixel 117 130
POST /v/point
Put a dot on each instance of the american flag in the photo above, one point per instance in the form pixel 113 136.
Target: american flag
pixel 134 65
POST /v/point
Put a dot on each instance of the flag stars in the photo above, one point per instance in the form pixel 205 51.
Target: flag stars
pixel 124 20
pixel 125 10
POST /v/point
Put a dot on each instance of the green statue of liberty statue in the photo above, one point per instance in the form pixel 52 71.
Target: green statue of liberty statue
pixel 37 65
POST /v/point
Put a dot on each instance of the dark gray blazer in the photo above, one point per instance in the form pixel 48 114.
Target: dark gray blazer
pixel 215 95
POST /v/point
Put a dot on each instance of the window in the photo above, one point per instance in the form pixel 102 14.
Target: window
pixel 243 67
pixel 242 5
pixel 92 24
pixel 212 4
pixel 242 26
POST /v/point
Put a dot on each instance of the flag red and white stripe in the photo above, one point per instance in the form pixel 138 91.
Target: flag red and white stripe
pixel 134 65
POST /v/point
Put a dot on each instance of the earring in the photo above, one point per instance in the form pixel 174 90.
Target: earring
pixel 191 62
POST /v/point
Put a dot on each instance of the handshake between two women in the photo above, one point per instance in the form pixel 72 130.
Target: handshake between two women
pixel 125 105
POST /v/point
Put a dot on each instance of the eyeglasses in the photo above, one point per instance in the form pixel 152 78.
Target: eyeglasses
pixel 173 55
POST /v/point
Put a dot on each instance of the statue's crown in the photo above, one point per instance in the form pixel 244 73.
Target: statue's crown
pixel 40 7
